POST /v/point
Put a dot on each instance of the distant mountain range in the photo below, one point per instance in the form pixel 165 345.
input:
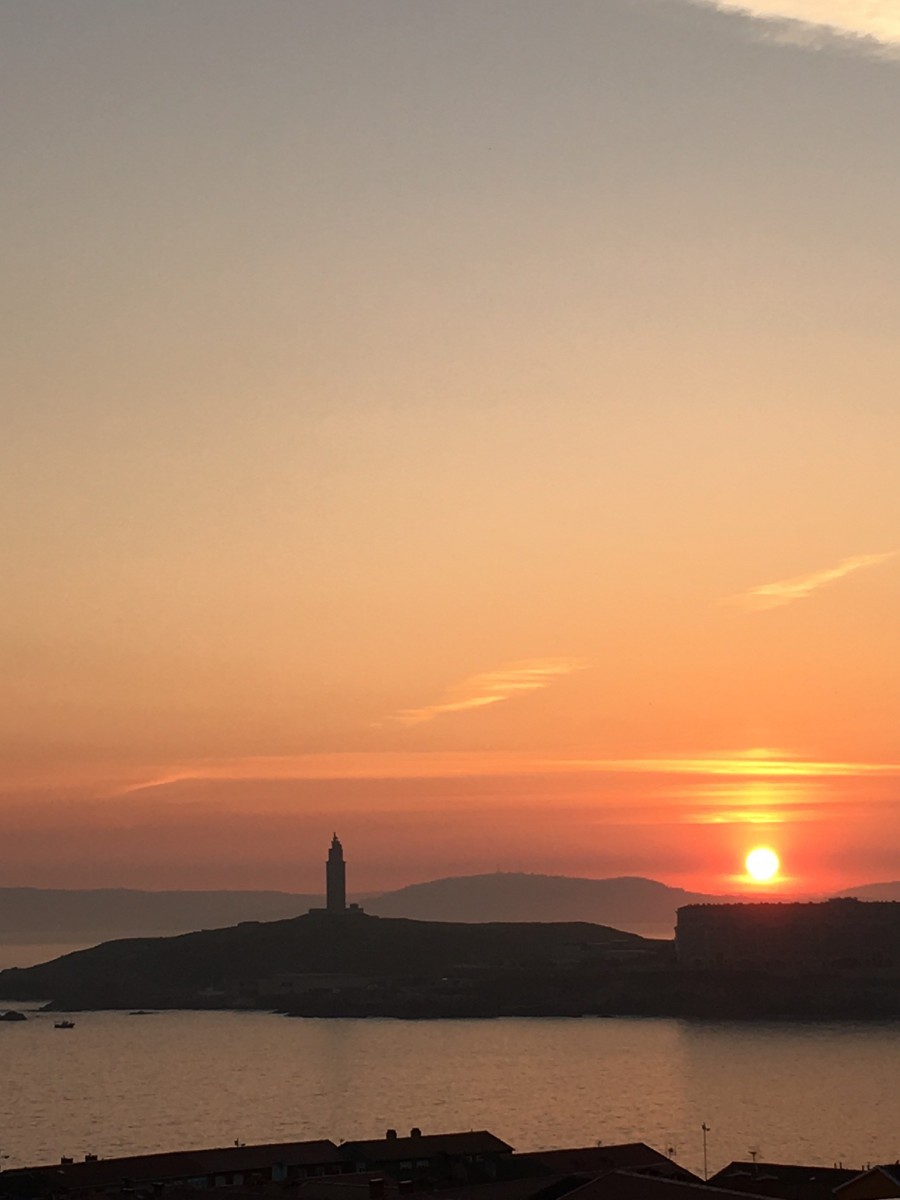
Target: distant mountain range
pixel 637 905
pixel 874 891
pixel 632 903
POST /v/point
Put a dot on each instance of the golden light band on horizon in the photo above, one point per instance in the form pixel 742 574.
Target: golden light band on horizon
pixel 747 765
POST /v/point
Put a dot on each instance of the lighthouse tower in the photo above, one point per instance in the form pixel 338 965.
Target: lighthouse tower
pixel 335 878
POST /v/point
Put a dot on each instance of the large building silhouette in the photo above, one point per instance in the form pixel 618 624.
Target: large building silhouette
pixel 839 934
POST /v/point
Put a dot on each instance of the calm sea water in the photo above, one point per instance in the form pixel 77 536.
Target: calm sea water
pixel 118 1084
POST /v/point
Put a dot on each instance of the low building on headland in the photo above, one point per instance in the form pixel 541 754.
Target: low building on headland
pixel 834 935
pixel 289 985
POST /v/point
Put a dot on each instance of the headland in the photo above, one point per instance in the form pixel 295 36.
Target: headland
pixel 832 960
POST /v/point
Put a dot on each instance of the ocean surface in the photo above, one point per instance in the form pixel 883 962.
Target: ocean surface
pixel 120 1083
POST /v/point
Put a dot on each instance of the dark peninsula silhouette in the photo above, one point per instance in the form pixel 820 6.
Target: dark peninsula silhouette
pixel 337 960
pixel 344 965
pixel 357 965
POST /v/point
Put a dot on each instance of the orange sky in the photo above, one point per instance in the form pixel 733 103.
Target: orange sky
pixel 473 427
pixel 406 817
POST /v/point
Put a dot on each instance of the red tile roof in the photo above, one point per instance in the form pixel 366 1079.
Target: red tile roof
pixel 189 1164
pixel 476 1141
pixel 628 1156
pixel 352 1187
pixel 632 1185
pixel 891 1171
pixel 782 1179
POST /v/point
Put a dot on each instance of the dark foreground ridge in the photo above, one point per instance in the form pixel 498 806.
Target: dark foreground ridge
pixel 472 1165
pixel 356 965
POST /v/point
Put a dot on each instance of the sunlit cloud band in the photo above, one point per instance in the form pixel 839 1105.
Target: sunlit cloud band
pixel 492 687
pixel 878 20
pixel 786 591
pixel 741 765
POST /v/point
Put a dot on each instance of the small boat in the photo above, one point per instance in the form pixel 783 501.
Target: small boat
pixel 64 1025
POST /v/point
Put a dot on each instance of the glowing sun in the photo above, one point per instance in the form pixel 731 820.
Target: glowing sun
pixel 762 864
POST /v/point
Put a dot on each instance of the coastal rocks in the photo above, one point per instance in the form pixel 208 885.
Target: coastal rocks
pixel 10 1015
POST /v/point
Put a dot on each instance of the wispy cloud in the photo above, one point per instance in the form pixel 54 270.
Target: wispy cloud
pixel 786 591
pixel 876 20
pixel 766 765
pixel 375 765
pixel 362 766
pixel 760 763
pixel 491 687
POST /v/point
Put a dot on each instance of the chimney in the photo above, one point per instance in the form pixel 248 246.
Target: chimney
pixel 90 1158
pixel 391 1135
pixel 415 1131
pixel 65 1161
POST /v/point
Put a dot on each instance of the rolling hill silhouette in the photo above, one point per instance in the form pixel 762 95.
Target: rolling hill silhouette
pixel 630 903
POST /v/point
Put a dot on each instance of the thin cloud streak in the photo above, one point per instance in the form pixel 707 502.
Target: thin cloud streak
pixel 786 591
pixel 748 765
pixel 491 687
pixel 876 20
pixel 361 766
pixel 348 765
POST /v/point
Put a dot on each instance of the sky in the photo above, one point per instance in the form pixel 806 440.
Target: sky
pixel 471 427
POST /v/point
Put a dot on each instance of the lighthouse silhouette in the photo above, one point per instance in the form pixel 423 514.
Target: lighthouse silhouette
pixel 335 878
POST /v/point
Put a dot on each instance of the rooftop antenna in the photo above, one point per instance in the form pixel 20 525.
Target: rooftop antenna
pixel 706 1130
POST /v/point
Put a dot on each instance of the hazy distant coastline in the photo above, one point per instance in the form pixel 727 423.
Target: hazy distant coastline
pixel 31 917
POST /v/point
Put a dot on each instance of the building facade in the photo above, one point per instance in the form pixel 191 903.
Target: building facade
pixel 842 934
